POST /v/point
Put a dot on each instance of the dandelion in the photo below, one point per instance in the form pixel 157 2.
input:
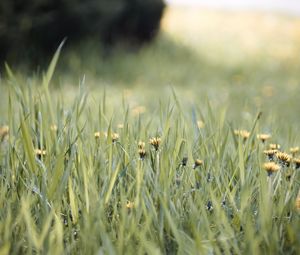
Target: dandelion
pixel 142 153
pixel 97 135
pixel 242 133
pixel 274 146
pixel 297 162
pixel 263 137
pixel 155 142
pixel 4 132
pixel 39 153
pixel 284 158
pixel 53 128
pixel 141 150
pixel 198 162
pixel 270 154
pixel 200 124
pixel 271 167
pixel 294 150
pixel 129 205
pixel 114 137
pixel 141 145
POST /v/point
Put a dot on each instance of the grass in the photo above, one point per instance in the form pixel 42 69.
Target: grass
pixel 70 185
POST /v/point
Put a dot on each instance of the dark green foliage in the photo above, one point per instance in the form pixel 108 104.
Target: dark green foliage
pixel 35 26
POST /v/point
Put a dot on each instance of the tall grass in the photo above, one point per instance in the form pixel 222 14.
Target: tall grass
pixel 70 184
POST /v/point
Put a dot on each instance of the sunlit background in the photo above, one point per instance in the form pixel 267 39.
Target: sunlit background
pixel 283 6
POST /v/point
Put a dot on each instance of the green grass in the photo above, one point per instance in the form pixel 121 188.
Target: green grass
pixel 91 195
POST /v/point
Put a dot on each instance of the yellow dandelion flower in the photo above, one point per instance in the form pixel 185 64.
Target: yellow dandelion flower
pixel 271 167
pixel 294 150
pixel 141 145
pixel 274 146
pixel 270 153
pixel 198 162
pixel 129 205
pixel 4 132
pixel 200 124
pixel 97 134
pixel 40 152
pixel 53 128
pixel 283 157
pixel 242 133
pixel 114 137
pixel 263 137
pixel 155 142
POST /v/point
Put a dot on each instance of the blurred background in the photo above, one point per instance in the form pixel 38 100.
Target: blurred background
pixel 243 55
pixel 283 6
pixel 36 27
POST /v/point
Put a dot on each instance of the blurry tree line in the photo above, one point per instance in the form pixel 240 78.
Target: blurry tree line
pixel 38 26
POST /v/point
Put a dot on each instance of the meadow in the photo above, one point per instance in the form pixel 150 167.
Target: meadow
pixel 187 145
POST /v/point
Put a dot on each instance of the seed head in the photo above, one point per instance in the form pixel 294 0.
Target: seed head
pixel 271 167
pixel 198 162
pixel 263 137
pixel 242 133
pixel 155 142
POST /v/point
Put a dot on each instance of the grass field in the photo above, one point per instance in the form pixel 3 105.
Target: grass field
pixel 157 150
